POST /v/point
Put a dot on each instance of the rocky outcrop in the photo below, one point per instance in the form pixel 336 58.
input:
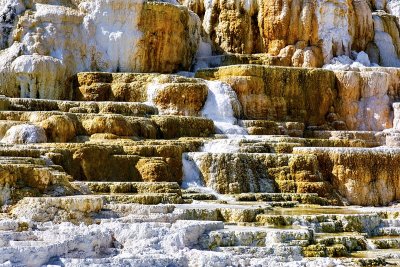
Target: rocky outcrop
pixel 59 128
pixel 301 33
pixel 60 40
pixel 280 94
pixel 171 94
pixel 362 176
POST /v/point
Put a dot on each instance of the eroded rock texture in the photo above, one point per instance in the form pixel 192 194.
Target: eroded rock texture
pixel 280 94
pixel 362 176
pixel 355 100
pixel 199 132
pixel 91 35
pixel 301 33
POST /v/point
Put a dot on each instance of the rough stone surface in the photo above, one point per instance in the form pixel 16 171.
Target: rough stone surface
pixel 362 176
pixel 199 133
pixel 280 94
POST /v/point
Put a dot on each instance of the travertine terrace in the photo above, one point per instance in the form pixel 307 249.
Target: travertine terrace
pixel 199 133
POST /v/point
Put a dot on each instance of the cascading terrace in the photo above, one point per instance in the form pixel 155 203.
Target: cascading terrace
pixel 199 133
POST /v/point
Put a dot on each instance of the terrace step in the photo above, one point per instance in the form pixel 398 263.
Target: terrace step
pixel 306 198
pixel 128 187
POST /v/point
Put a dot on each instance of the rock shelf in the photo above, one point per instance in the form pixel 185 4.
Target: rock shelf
pixel 199 133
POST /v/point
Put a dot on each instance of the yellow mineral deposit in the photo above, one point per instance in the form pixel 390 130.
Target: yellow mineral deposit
pixel 199 133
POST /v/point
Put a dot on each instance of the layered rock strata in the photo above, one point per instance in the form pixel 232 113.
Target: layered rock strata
pixel 91 35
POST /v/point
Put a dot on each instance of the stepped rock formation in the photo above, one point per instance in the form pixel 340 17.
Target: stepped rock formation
pixel 199 132
pixel 92 35
pixel 299 33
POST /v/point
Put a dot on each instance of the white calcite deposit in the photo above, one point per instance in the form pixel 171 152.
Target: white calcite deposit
pixel 222 106
pixel 25 134
pixel 136 235
pixel 59 40
pixel 112 38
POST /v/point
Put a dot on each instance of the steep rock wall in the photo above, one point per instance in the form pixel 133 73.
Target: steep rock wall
pixel 277 93
pixel 306 33
pixel 361 99
pixel 129 36
pixel 363 176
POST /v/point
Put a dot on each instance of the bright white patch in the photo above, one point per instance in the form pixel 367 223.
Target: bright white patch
pixel 345 63
pixel 113 31
pixel 219 107
pixel 24 134
pixel 192 178
pixel 333 28
pixel 384 41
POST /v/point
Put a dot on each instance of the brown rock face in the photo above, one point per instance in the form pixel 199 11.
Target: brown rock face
pixel 171 94
pixel 297 31
pixel 115 124
pixel 286 22
pixel 103 163
pixel 280 94
pixel 363 176
pixel 170 38
pixel 361 25
pixel 363 100
pixel 97 86
pixel 59 128
pixel 168 153
pixel 153 170
pixel 181 99
pixel 179 126
pixel 174 95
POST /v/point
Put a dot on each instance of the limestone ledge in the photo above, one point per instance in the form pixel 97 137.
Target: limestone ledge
pixel 87 124
pixel 340 100
pixel 48 43
pixel 171 94
pixel 364 176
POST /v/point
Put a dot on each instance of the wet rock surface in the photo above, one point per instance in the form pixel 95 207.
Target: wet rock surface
pixel 199 133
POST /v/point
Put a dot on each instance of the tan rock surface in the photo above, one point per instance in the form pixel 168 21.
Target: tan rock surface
pixel 58 41
pixel 170 38
pixel 280 94
pixel 59 128
pixel 180 126
pixel 362 176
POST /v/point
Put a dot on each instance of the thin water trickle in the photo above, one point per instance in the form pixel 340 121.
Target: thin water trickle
pixel 219 107
pixel 192 178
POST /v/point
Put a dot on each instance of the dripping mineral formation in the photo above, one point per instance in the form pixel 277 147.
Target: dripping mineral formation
pixel 199 133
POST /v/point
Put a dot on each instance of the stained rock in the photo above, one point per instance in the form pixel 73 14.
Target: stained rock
pixel 25 134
